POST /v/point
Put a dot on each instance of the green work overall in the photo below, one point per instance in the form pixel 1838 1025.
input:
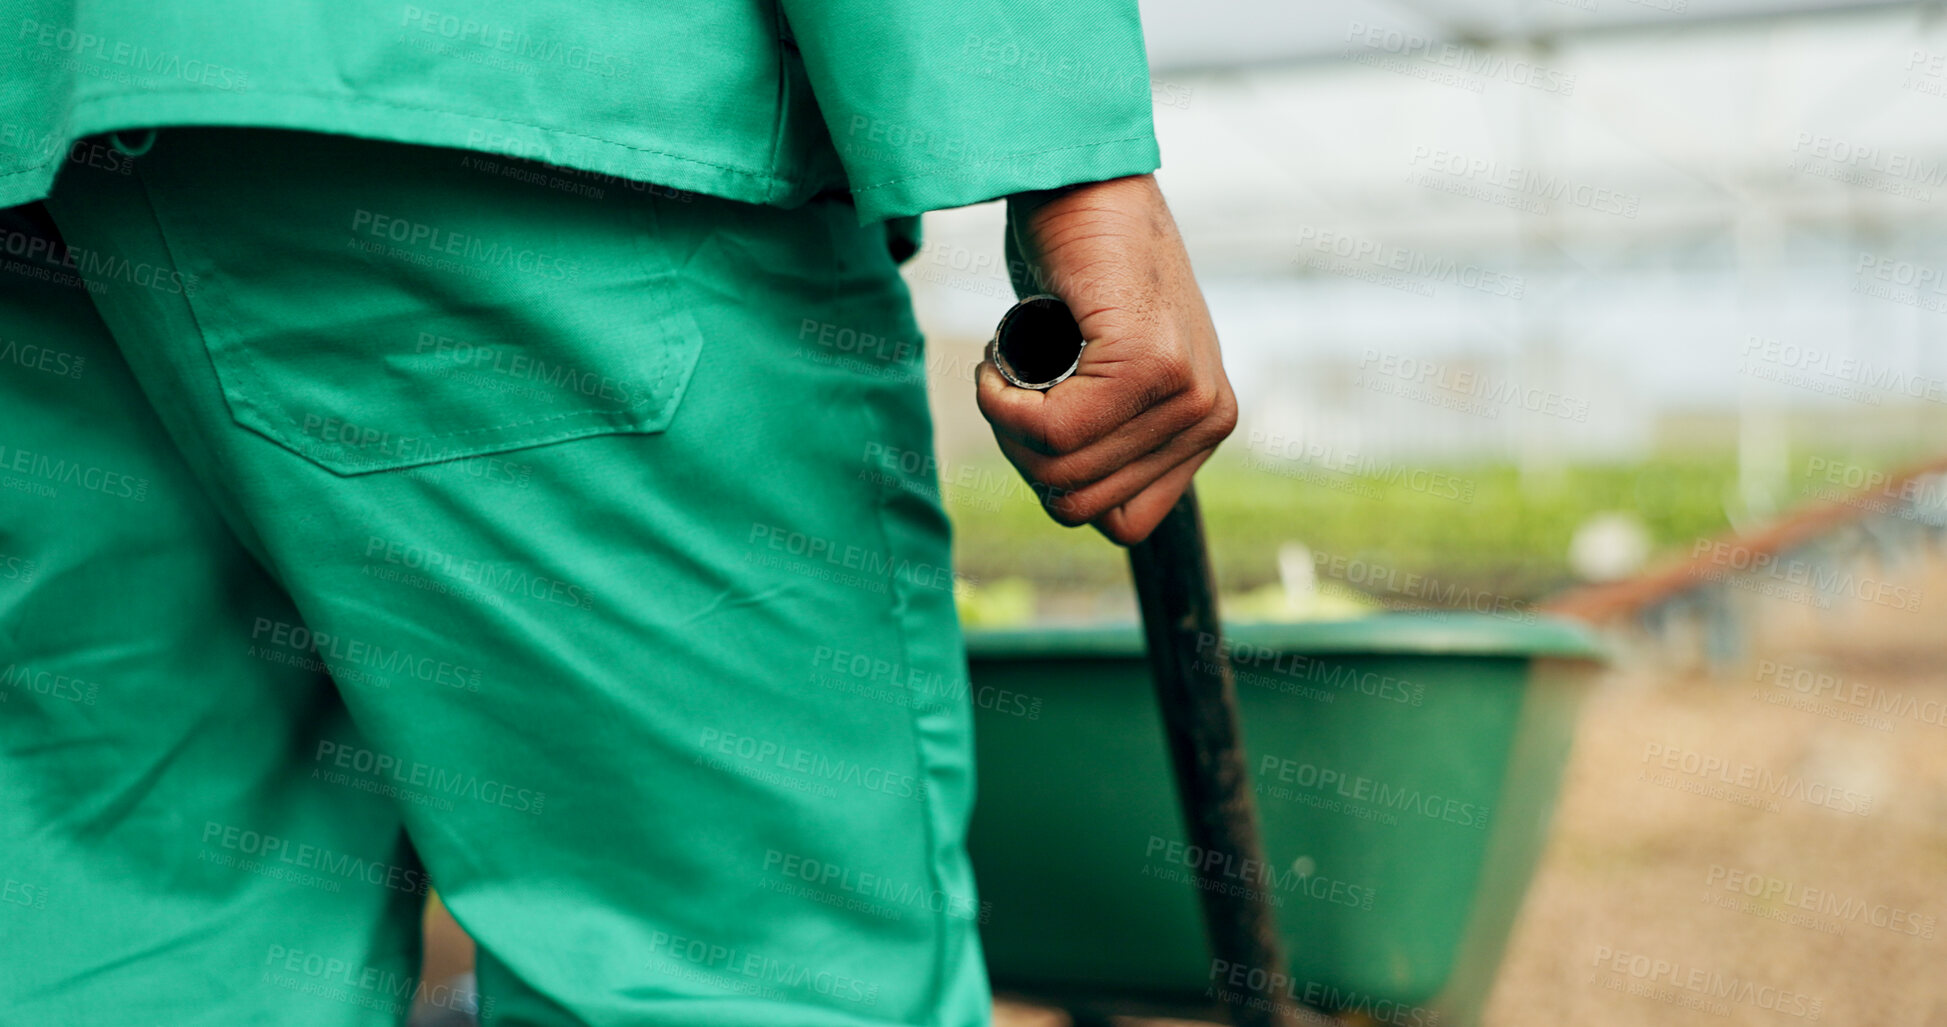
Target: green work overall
pixel 447 447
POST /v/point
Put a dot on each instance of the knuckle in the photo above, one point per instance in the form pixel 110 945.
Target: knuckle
pixel 1202 397
pixel 1223 419
pixel 1173 367
pixel 1170 369
pixel 1189 410
pixel 1119 528
pixel 995 408
pixel 1048 494
pixel 1066 518
pixel 1063 477
pixel 1056 434
pixel 985 404
pixel 1073 510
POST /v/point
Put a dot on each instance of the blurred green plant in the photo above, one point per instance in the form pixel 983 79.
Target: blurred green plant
pixel 1484 527
pixel 1002 603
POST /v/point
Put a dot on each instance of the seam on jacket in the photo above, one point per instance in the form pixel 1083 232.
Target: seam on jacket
pixel 31 168
pixel 963 168
pixel 783 107
pixel 356 100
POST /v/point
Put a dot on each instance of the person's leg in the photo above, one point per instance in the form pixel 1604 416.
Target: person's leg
pixel 631 495
pixel 165 855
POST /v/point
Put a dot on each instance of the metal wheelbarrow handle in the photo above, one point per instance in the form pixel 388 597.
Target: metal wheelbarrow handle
pixel 1037 346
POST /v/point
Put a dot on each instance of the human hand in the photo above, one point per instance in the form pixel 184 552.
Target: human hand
pixel 1116 443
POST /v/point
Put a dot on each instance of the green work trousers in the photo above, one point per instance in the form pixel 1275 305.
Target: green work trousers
pixel 377 518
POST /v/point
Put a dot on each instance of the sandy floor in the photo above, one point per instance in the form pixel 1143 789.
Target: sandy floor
pixel 1664 891
pixel 1670 893
pixel 1849 906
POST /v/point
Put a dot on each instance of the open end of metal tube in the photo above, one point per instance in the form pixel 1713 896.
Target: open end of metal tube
pixel 1037 344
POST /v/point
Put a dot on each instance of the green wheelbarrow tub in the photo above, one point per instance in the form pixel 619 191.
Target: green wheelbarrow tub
pixel 1405 767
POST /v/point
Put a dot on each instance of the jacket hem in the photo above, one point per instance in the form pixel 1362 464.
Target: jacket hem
pixel 990 179
pixel 386 121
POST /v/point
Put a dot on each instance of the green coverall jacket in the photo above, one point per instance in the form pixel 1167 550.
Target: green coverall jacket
pixel 912 105
pixel 353 543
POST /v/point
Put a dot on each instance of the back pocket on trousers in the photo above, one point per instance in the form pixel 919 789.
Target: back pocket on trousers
pixel 372 306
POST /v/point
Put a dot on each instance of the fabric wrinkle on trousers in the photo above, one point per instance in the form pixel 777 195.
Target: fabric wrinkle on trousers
pixel 576 491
